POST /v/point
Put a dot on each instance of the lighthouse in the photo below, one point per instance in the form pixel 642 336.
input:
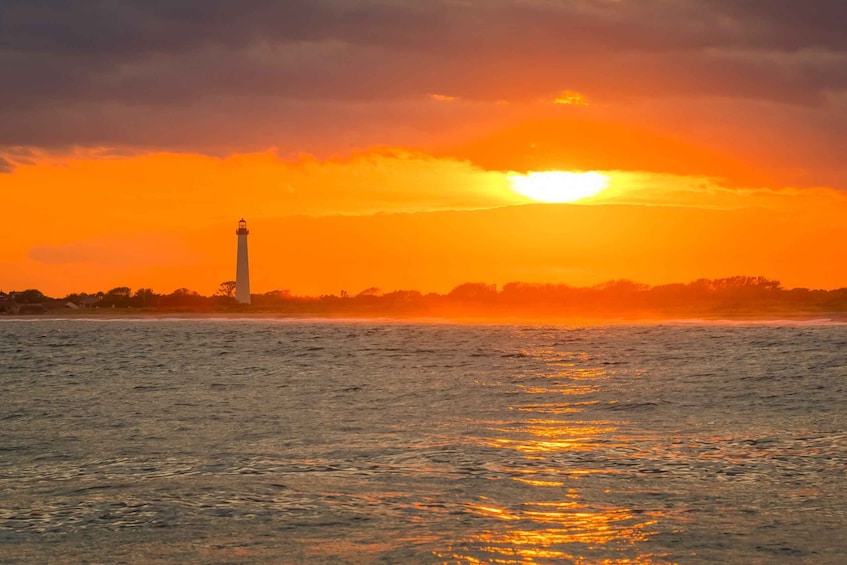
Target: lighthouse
pixel 242 273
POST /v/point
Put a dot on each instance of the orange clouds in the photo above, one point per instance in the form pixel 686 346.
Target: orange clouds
pixel 442 97
pixel 569 98
pixel 585 141
pixel 749 91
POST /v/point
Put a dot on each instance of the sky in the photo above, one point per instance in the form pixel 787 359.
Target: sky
pixel 382 143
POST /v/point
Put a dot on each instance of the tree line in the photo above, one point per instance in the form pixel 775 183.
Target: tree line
pixel 737 296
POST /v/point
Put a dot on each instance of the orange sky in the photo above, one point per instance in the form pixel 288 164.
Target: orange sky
pixel 396 221
pixel 362 156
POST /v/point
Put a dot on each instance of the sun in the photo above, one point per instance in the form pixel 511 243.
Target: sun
pixel 559 186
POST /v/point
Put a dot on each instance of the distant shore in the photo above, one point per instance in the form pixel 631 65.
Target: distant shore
pixel 734 299
pixel 611 318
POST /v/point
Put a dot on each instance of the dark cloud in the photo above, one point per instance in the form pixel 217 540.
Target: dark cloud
pixel 204 74
pixel 174 51
pixel 786 24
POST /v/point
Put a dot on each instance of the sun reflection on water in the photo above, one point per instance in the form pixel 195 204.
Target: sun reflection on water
pixel 553 531
pixel 557 456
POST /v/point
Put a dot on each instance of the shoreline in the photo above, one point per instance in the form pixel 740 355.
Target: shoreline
pixel 723 318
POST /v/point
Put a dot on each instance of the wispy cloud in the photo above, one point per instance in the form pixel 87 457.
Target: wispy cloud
pixel 569 98
pixel 130 251
pixel 442 97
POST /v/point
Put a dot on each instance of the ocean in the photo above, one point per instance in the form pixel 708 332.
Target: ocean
pixel 205 440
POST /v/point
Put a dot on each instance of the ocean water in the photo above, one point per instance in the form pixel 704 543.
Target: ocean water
pixel 274 441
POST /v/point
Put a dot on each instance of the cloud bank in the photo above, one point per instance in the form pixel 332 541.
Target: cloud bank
pixel 328 75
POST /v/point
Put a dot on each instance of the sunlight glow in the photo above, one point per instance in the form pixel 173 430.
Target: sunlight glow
pixel 559 186
pixel 442 97
pixel 570 98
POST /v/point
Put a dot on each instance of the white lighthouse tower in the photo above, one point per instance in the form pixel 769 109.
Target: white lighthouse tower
pixel 242 273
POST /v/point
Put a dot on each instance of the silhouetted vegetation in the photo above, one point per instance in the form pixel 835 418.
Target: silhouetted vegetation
pixel 733 297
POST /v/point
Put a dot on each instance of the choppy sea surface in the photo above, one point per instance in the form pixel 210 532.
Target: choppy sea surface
pixel 274 441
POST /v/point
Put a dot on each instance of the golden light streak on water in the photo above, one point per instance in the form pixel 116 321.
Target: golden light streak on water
pixel 557 516
pixel 555 527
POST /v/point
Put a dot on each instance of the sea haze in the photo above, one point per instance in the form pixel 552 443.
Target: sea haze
pixel 271 441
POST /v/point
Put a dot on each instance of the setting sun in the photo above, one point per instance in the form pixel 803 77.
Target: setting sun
pixel 559 186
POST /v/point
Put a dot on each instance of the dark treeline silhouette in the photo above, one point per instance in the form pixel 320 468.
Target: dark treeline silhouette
pixel 740 296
